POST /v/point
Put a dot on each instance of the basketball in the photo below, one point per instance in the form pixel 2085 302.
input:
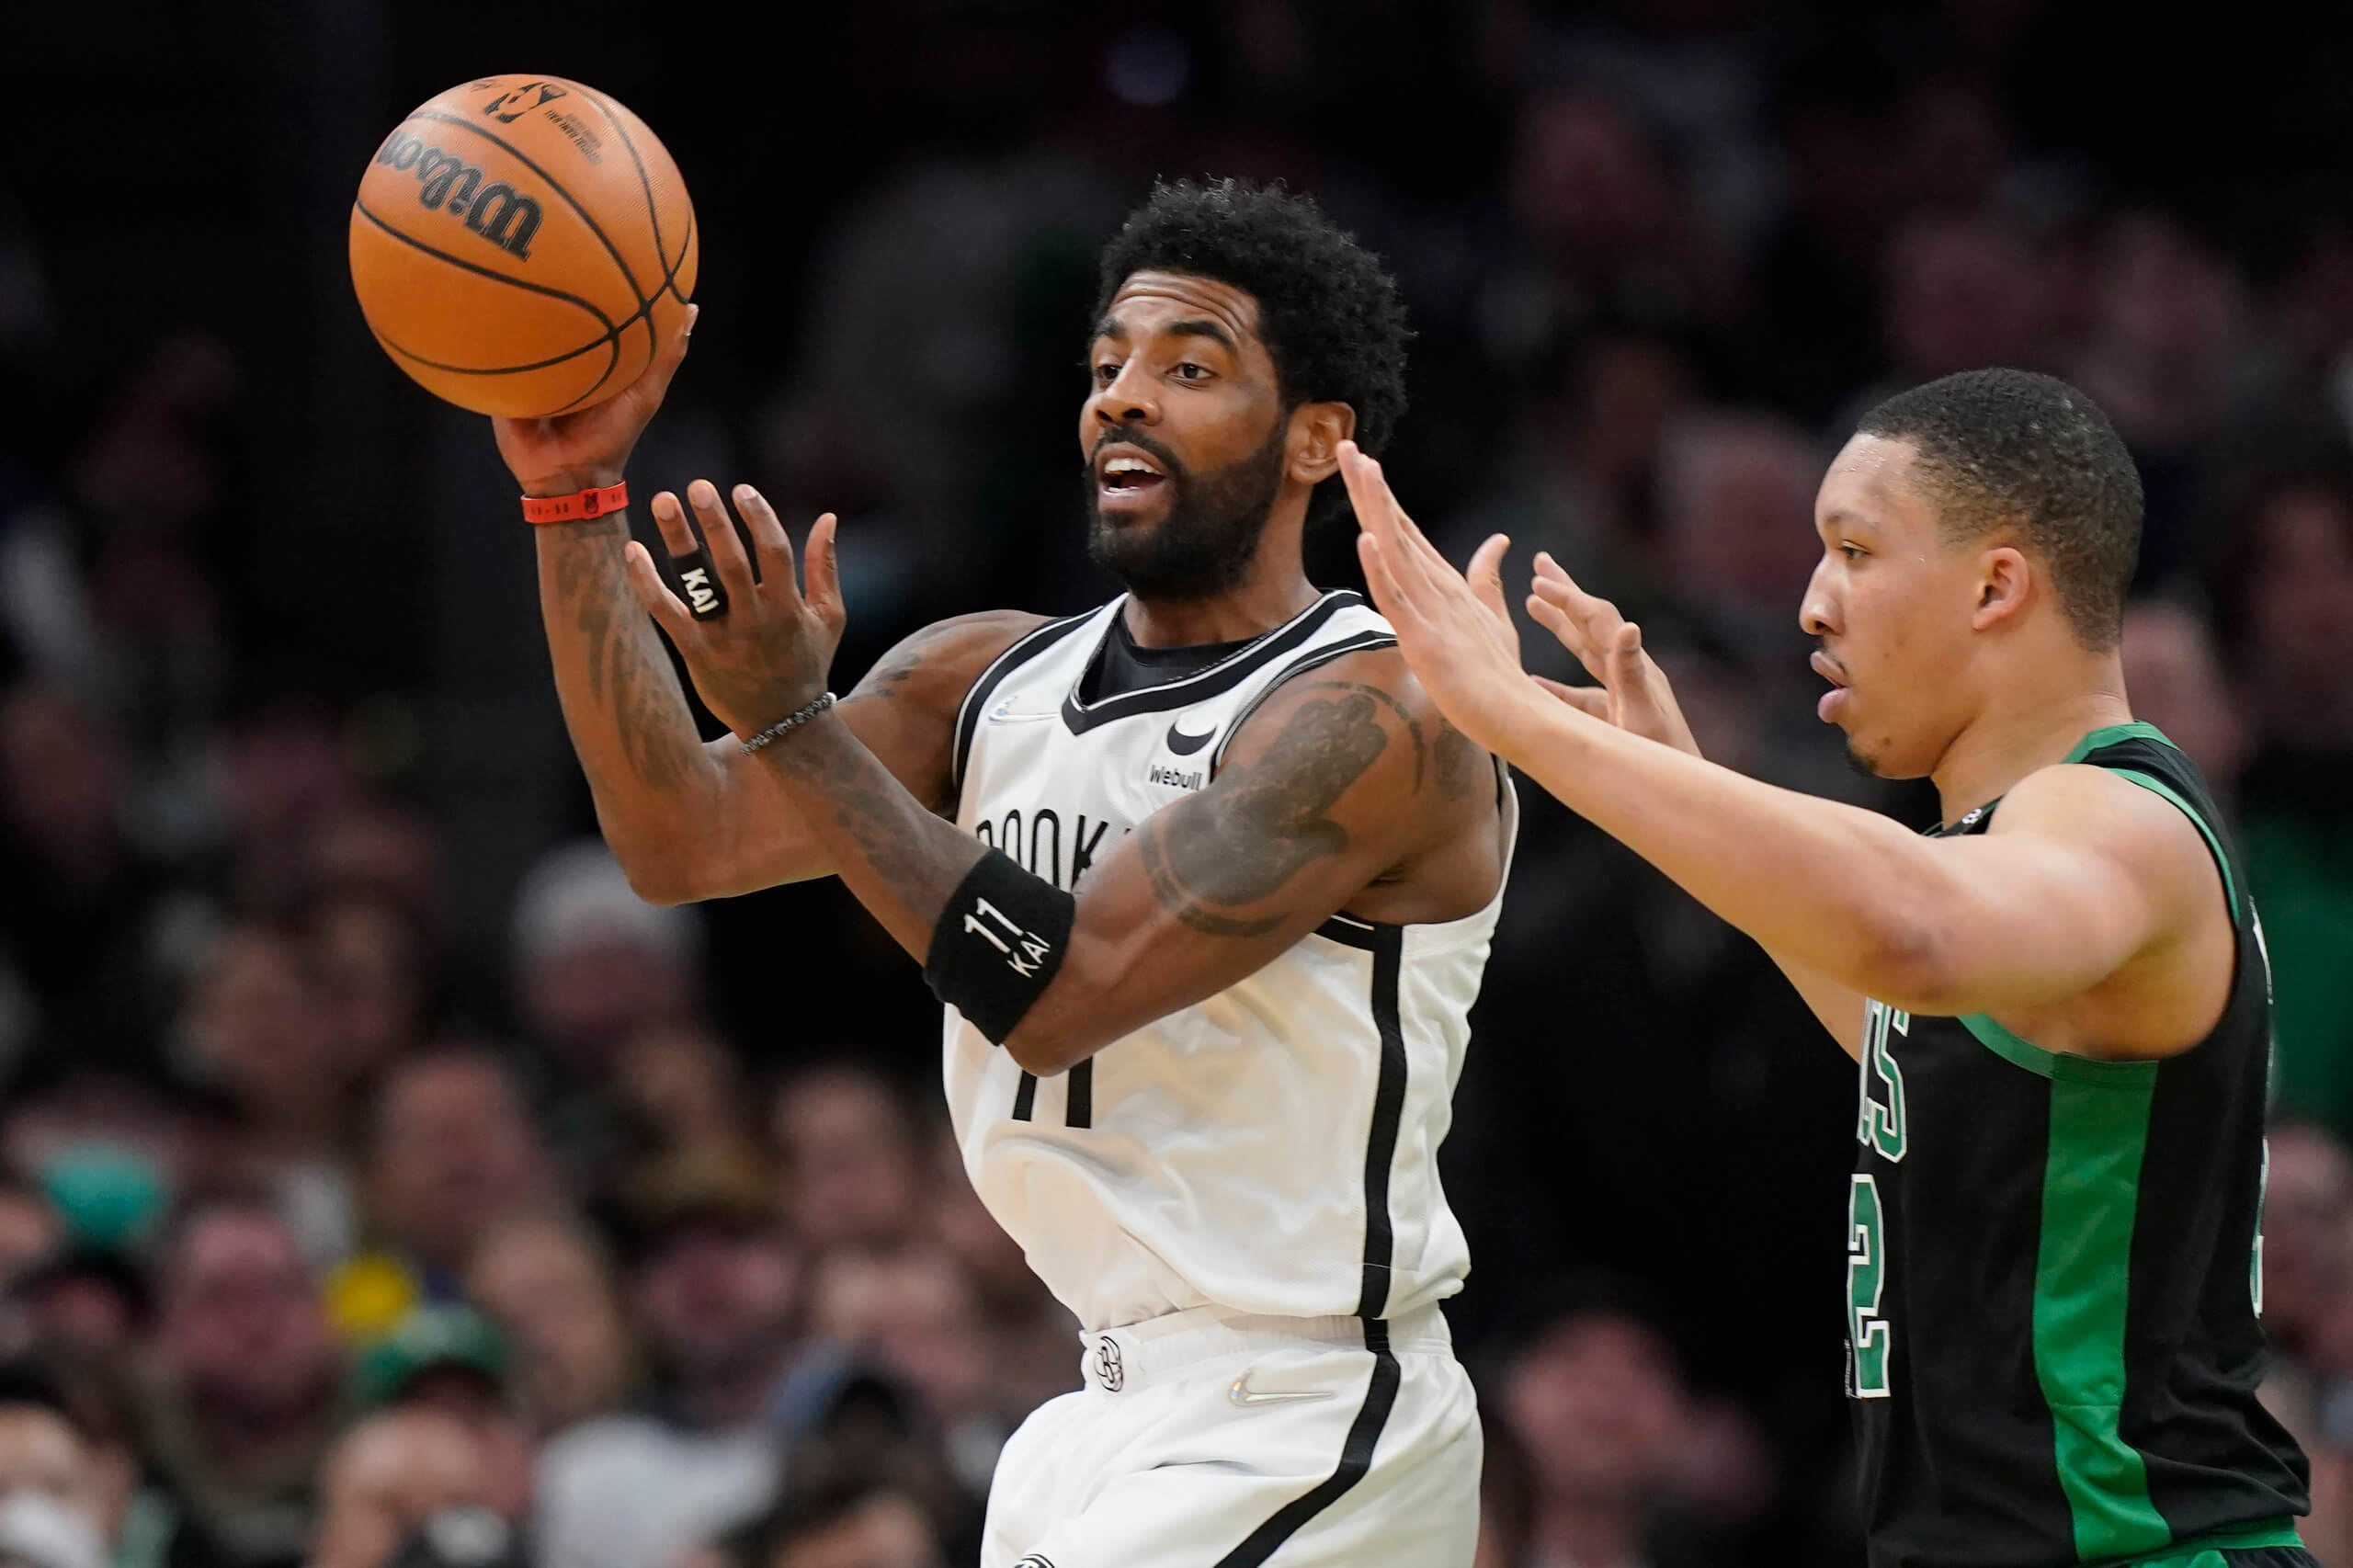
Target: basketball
pixel 520 244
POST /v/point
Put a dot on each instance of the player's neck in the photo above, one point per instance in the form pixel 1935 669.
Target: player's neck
pixel 1275 589
pixel 2026 725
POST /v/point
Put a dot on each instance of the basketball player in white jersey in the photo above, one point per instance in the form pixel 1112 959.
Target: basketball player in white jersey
pixel 1205 882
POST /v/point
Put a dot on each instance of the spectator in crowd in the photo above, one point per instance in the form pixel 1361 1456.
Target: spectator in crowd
pixel 843 1511
pixel 716 1293
pixel 549 1283
pixel 1580 479
pixel 28 1229
pixel 88 1301
pixel 684 1104
pixel 2174 676
pixel 594 963
pixel 1597 1404
pixel 2284 587
pixel 247 1382
pixel 451 1149
pixel 79 924
pixel 595 967
pixel 850 1159
pixel 1960 290
pixel 254 1023
pixel 418 1486
pixel 2307 1281
pixel 58 1508
pixel 371 967
pixel 1605 226
pixel 915 1317
pixel 2165 349
pixel 1032 1337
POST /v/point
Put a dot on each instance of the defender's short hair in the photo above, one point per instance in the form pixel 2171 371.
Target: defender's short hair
pixel 2011 448
pixel 1327 308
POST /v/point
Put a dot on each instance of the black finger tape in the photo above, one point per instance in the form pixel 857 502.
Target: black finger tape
pixel 706 598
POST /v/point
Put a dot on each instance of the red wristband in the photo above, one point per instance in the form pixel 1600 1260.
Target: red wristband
pixel 574 508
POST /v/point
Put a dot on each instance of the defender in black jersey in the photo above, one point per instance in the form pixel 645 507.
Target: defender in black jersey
pixel 2058 998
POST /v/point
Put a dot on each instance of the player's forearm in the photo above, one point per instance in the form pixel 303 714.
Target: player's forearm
pixel 1843 892
pixel 655 785
pixel 901 861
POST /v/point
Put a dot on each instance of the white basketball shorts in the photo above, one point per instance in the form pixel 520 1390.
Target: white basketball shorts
pixel 1214 1439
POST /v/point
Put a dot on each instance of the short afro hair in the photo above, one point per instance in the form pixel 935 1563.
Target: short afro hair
pixel 2011 448
pixel 1327 308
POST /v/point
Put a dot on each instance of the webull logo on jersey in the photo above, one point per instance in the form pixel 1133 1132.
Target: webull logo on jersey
pixel 1179 779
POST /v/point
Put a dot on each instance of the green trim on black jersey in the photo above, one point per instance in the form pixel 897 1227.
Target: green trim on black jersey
pixel 2157 786
pixel 2091 1189
pixel 2057 1064
pixel 2136 729
pixel 2279 1535
pixel 2099 1133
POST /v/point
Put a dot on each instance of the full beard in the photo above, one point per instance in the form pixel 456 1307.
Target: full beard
pixel 1204 545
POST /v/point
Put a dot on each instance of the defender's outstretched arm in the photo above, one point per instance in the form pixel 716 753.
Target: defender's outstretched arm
pixel 2079 879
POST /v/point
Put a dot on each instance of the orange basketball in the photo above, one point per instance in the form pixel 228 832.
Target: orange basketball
pixel 520 244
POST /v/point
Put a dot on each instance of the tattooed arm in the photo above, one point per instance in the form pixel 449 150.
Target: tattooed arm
pixel 689 820
pixel 1344 791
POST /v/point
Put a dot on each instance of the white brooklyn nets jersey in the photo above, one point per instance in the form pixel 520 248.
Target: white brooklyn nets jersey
pixel 1272 1150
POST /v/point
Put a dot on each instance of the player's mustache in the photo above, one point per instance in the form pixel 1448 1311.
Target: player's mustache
pixel 1131 437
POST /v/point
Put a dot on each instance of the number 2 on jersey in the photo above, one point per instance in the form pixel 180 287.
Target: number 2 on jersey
pixel 1870 1335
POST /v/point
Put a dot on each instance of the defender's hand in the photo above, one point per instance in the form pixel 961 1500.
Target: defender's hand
pixel 1456 633
pixel 767 654
pixel 587 450
pixel 1633 694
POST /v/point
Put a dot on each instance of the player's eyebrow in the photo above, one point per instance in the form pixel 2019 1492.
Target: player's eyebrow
pixel 1113 328
pixel 1201 326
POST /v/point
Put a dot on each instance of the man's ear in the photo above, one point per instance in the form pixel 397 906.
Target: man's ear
pixel 1316 431
pixel 2005 581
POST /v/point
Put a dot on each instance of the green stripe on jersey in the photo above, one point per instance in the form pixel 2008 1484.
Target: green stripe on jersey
pixel 2157 786
pixel 2135 731
pixel 2215 1550
pixel 2091 1187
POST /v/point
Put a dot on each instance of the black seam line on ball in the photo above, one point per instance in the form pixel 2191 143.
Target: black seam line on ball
pixel 611 339
pixel 611 328
pixel 644 181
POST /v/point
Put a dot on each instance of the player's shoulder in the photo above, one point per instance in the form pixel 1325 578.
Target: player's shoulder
pixel 935 666
pixel 2100 811
pixel 1365 703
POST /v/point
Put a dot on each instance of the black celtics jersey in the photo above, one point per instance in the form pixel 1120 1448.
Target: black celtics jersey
pixel 2053 1276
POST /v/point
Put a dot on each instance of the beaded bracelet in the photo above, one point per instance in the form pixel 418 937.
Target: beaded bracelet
pixel 787 724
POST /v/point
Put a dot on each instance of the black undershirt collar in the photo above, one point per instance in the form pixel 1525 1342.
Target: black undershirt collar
pixel 1124 666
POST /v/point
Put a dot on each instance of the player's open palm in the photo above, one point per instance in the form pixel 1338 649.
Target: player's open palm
pixel 1453 628
pixel 766 652
pixel 1635 693
pixel 568 452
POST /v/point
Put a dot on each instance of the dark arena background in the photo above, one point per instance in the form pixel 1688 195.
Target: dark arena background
pixel 359 1128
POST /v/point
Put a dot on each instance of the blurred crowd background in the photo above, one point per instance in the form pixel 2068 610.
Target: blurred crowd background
pixel 381 1181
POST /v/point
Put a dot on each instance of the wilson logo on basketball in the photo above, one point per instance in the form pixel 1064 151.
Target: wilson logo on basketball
pixel 496 212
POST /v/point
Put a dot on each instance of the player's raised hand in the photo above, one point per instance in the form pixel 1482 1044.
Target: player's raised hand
pixel 1454 630
pixel 1634 694
pixel 766 653
pixel 587 450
